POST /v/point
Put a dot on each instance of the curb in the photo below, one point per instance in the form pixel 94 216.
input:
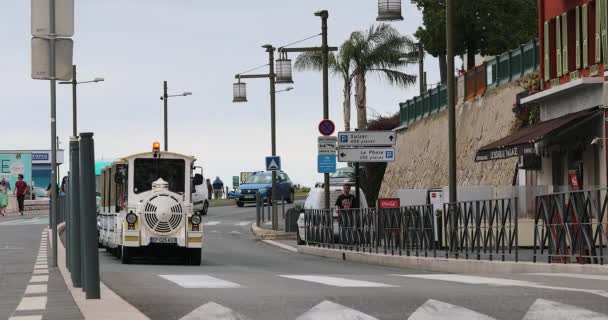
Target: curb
pixel 451 265
pixel 110 307
pixel 265 234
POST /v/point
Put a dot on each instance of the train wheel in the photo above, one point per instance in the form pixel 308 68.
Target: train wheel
pixel 195 256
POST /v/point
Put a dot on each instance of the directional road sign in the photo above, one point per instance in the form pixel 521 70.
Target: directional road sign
pixel 63 58
pixel 326 163
pixel 327 127
pixel 327 145
pixel 386 154
pixel 273 163
pixel 64 18
pixel 367 138
pixel 235 181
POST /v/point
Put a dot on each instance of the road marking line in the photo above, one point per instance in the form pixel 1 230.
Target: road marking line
pixel 213 311
pixel 546 309
pixel 41 271
pixel 337 282
pixel 26 318
pixel 234 232
pixel 572 275
pixel 40 279
pixel 281 245
pixel 328 310
pixel 211 223
pixel 433 309
pixel 32 303
pixel 36 289
pixel 40 266
pixel 498 282
pixel 242 223
pixel 199 281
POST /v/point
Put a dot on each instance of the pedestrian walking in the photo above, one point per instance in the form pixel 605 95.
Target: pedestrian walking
pixel 218 188
pixel 209 189
pixel 20 190
pixel 4 187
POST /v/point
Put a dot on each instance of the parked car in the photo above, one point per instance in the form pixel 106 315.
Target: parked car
pixel 262 181
pixel 233 194
pixel 316 200
pixel 200 195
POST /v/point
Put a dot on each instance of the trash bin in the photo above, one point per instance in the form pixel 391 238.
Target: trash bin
pixel 291 220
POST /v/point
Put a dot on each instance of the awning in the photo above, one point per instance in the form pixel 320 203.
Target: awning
pixel 522 142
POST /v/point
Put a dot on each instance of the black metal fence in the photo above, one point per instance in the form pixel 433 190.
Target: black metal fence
pixel 570 227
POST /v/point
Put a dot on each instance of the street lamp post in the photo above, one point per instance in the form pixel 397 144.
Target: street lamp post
pixel 324 49
pixel 165 98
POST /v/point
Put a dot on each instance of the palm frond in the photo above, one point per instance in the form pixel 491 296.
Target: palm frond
pixel 309 61
pixel 395 77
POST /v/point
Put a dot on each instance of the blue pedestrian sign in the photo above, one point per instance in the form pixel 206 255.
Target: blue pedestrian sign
pixel 273 163
pixel 326 163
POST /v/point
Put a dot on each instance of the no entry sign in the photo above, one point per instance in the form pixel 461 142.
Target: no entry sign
pixel 327 127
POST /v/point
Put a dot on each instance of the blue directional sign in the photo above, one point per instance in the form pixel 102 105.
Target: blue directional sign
pixel 273 163
pixel 326 163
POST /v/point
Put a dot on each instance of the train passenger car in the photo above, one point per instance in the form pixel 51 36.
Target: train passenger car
pixel 146 207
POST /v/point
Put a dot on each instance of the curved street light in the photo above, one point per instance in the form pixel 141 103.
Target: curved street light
pixel 165 97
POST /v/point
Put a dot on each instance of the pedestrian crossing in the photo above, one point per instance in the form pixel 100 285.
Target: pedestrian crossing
pixel 432 309
pixel 41 220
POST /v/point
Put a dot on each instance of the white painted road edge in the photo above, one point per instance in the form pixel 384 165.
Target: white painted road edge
pixel 281 245
pixel 110 307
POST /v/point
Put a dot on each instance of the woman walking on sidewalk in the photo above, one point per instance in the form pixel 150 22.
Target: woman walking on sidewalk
pixel 3 196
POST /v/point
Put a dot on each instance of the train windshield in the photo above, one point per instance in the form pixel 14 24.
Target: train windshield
pixel 149 170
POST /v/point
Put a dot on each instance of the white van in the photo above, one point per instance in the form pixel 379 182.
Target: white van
pixel 200 195
pixel 316 200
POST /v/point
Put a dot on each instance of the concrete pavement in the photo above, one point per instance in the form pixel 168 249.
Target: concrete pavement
pixel 29 287
pixel 242 278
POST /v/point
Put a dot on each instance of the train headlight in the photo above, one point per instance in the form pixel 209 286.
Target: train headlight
pixel 196 219
pixel 131 218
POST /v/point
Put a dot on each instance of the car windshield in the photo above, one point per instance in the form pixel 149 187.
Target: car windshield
pixel 343 173
pixel 259 179
pixel 149 170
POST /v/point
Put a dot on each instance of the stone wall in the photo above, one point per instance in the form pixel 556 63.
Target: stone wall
pixel 422 149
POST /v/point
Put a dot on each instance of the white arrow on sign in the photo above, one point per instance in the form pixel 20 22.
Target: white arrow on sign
pixel 367 138
pixel 366 154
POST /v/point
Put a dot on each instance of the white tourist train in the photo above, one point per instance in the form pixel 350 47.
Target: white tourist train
pixel 146 207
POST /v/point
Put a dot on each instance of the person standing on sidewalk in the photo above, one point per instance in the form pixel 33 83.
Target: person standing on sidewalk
pixel 20 190
pixel 4 186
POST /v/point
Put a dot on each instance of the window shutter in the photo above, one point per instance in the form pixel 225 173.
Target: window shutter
pixel 585 35
pixel 604 31
pixel 558 45
pixel 565 43
pixel 578 37
pixel 598 26
pixel 547 50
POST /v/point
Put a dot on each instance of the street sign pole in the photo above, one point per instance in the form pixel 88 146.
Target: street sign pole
pixel 53 213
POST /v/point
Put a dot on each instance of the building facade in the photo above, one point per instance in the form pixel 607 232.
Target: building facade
pixel 41 165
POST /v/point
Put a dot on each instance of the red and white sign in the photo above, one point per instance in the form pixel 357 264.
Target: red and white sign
pixel 389 203
pixel 327 127
pixel 574 180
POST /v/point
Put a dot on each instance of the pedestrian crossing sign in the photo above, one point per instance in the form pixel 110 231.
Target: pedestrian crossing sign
pixel 273 163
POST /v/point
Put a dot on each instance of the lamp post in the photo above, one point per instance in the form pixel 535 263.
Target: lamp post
pixel 165 97
pixel 324 49
pixel 75 84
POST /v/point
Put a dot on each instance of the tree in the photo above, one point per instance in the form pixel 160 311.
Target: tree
pixel 340 66
pixel 380 50
pixel 488 27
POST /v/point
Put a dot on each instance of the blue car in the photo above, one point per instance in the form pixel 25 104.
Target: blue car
pixel 262 181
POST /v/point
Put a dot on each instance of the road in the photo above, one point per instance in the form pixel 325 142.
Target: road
pixel 242 278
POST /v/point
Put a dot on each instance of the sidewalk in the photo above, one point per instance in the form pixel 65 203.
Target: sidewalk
pixel 31 289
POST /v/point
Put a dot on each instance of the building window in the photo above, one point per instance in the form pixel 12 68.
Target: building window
pixel 547 64
pixel 585 18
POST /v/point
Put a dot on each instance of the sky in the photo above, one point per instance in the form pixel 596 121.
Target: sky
pixel 197 46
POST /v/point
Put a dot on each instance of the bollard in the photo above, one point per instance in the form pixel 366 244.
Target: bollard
pixel 66 239
pixel 89 222
pixel 257 209
pixel 76 249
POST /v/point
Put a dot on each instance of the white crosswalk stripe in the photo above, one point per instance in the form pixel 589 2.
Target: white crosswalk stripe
pixel 337 281
pixel 551 310
pixel 328 310
pixel 213 311
pixel 433 309
pixel 192 281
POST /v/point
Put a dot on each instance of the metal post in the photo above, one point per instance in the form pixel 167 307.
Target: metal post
pixel 75 229
pixel 275 215
pixel 357 185
pixel 165 98
pixel 53 189
pixel 74 103
pixel 421 73
pixel 451 101
pixel 325 60
pixel 89 223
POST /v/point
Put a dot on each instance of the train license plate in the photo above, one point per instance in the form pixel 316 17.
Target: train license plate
pixel 163 240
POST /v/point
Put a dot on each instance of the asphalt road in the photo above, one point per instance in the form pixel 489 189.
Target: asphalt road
pixel 242 278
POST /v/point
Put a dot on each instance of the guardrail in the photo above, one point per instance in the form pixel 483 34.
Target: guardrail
pixel 569 227
pixel 502 69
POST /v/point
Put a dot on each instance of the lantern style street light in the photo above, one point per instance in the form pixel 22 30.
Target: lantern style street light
pixel 283 67
pixel 239 90
pixel 165 97
pixel 389 10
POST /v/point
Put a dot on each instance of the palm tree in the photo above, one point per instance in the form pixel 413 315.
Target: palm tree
pixel 380 50
pixel 340 65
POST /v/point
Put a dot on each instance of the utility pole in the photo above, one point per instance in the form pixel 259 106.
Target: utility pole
pixel 165 98
pixel 451 101
pixel 275 213
pixel 325 56
pixel 421 73
pixel 52 76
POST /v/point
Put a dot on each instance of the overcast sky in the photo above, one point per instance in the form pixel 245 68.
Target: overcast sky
pixel 196 46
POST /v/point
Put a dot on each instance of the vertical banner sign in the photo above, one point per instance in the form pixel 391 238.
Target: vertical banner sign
pixel 14 164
